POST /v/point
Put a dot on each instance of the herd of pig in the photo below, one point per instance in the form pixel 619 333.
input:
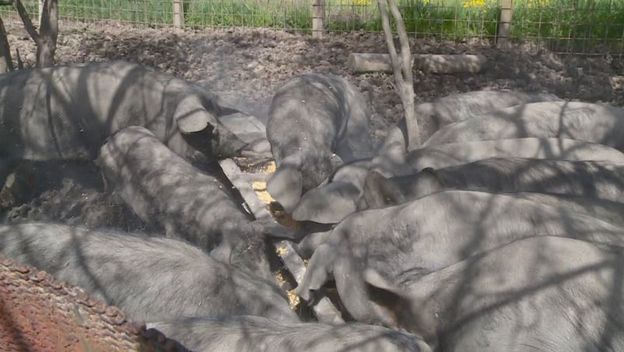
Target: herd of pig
pixel 502 232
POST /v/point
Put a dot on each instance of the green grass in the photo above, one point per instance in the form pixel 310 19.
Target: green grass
pixel 147 12
pixel 245 14
pixel 575 25
pixel 447 20
pixel 571 23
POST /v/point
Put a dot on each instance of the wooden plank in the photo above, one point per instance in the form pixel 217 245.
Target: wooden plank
pixel 431 63
pixel 324 309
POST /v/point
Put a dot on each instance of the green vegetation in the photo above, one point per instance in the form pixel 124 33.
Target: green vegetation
pixel 254 13
pixel 570 23
pixel 565 24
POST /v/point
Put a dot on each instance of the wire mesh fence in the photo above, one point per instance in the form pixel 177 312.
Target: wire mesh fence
pixel 565 26
pixel 585 26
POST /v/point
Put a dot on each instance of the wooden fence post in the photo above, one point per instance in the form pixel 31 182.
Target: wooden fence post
pixel 318 18
pixel 178 14
pixel 40 12
pixel 504 24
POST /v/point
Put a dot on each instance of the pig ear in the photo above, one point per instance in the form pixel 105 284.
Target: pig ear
pixel 317 272
pixel 270 228
pixel 432 177
pixel 286 187
pixel 222 253
pixel 194 121
pixel 392 301
pixel 379 192
pixel 368 296
pixel 374 176
pixel 373 278
pixel 336 162
pixel 328 204
pixel 191 116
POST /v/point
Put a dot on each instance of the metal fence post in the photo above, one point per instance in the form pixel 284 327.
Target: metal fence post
pixel 178 14
pixel 318 18
pixel 504 24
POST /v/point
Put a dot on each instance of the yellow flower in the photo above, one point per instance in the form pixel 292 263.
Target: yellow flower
pixel 537 3
pixel 474 4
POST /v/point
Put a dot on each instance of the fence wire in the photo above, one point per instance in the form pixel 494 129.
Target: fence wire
pixel 564 26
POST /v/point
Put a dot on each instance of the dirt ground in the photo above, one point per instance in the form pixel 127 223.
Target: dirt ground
pixel 245 66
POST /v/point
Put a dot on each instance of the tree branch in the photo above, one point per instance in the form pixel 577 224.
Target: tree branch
pixel 402 68
pixel 20 63
pixel 385 23
pixel 28 25
pixel 413 131
pixel 6 64
pixel 406 56
pixel 48 34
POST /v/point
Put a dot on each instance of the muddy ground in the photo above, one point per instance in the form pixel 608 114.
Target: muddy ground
pixel 246 65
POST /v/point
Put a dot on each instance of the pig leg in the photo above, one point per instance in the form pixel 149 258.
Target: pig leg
pixel 317 272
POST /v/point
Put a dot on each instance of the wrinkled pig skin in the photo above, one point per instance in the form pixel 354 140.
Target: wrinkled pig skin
pixel 588 122
pixel 316 122
pixel 408 241
pixel 340 195
pixel 150 279
pixel 464 106
pixel 460 107
pixel 247 333
pixel 452 154
pixel 67 112
pixel 542 293
pixel 589 179
pixel 189 204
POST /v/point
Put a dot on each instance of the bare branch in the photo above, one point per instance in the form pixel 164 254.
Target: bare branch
pixel 47 36
pixel 385 23
pixel 6 64
pixel 402 68
pixel 20 63
pixel 406 56
pixel 28 25
pixel 407 86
